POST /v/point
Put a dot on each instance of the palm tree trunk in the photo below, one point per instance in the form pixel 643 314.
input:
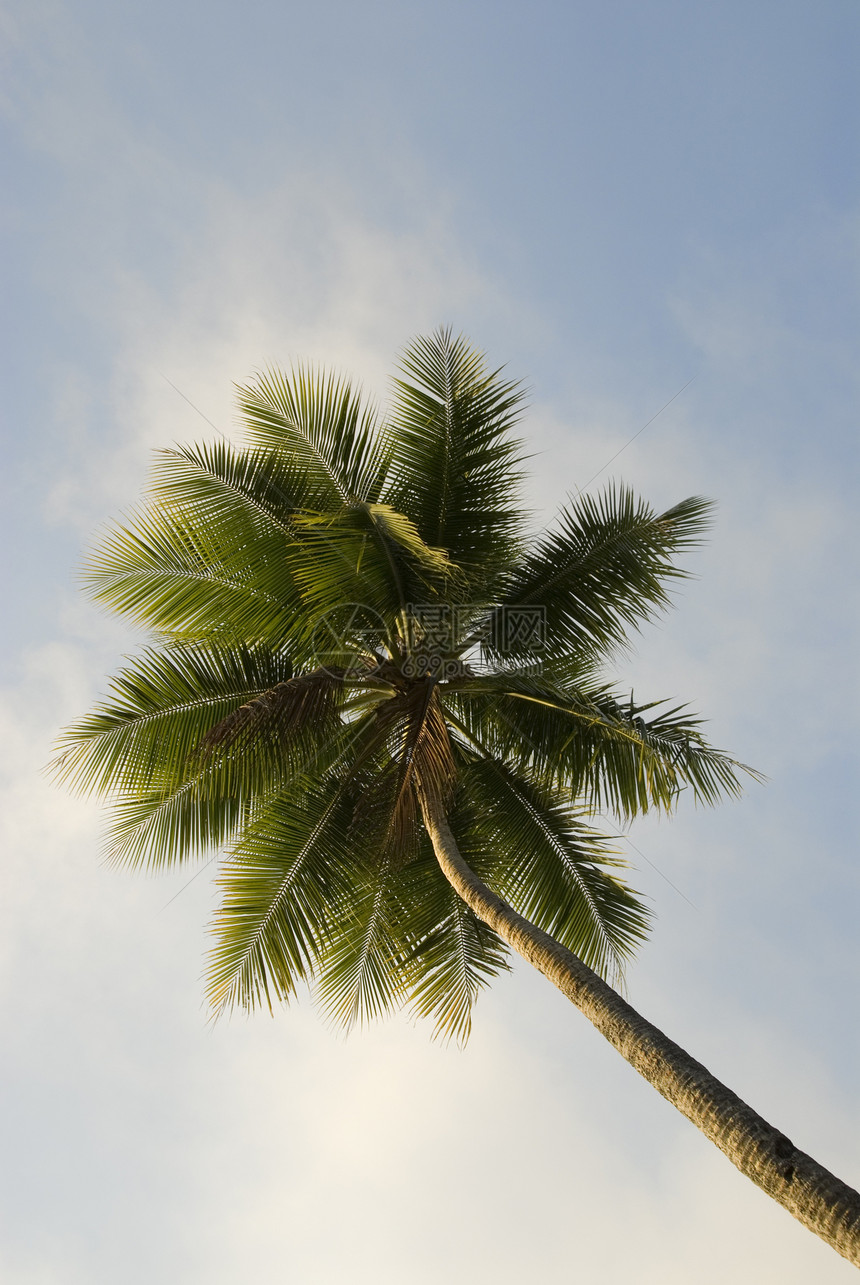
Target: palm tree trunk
pixel 802 1186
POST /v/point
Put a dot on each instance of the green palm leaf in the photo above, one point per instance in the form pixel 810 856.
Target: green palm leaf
pixel 366 554
pixel 251 492
pixel 602 751
pixel 361 974
pixel 282 884
pixel 454 463
pixel 179 577
pixel 602 572
pixel 142 747
pixel 317 421
pixel 554 868
pixel 161 707
pixel 451 955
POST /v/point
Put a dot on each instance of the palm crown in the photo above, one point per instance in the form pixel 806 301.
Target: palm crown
pixel 350 623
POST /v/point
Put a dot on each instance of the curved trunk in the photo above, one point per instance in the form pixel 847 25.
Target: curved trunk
pixel 805 1188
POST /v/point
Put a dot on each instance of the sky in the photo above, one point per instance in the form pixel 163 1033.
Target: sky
pixel 612 200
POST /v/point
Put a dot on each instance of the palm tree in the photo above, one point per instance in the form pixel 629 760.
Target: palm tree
pixel 387 706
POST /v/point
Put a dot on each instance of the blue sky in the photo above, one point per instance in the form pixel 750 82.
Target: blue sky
pixel 612 199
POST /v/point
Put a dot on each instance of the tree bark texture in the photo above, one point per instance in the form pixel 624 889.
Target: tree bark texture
pixel 805 1188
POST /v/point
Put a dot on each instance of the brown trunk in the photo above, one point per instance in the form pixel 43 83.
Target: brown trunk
pixel 802 1186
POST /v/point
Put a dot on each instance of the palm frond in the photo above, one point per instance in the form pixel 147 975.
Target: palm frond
pixel 361 975
pixel 160 708
pixel 599 748
pixel 404 932
pixel 317 420
pixel 156 829
pixel 454 464
pixel 431 568
pixel 142 747
pixel 277 715
pixel 250 491
pixel 602 572
pixel 553 868
pixel 175 575
pixel 281 887
pixel 368 555
pixel 450 955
